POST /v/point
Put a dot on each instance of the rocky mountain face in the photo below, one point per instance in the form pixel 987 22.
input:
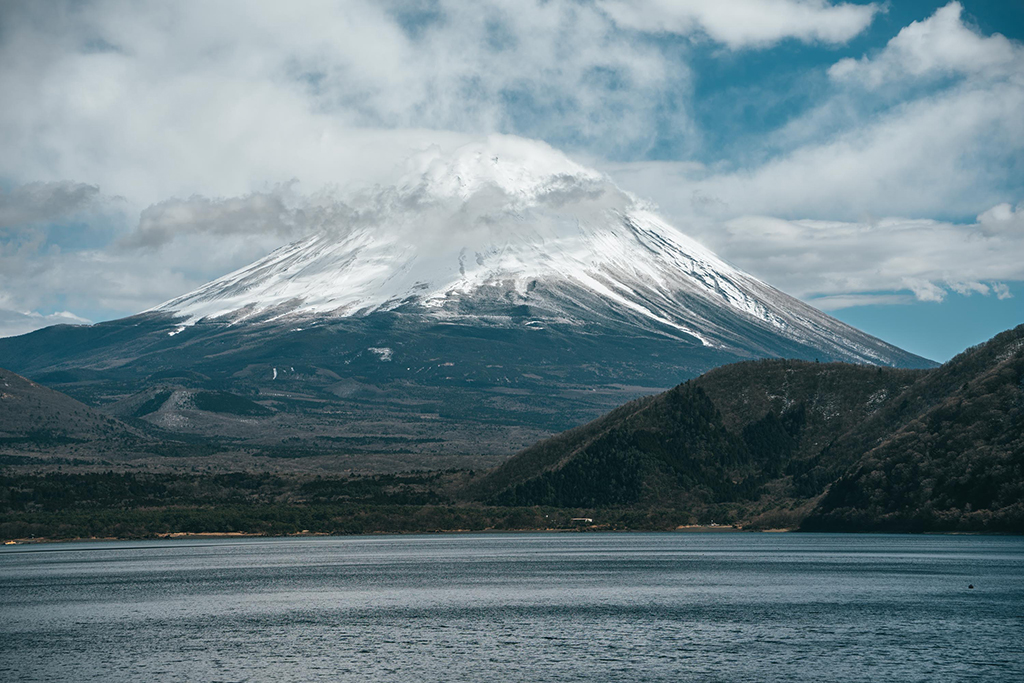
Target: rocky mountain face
pixel 792 443
pixel 493 297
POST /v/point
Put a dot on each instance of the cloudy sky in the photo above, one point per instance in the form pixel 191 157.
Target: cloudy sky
pixel 865 157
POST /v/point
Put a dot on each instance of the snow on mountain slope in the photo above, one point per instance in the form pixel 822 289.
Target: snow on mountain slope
pixel 512 225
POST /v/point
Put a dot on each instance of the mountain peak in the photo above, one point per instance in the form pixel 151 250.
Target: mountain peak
pixel 522 170
pixel 512 233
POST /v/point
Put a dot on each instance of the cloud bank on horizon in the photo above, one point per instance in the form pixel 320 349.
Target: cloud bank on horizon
pixel 847 153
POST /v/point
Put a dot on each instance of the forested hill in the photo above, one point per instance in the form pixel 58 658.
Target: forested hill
pixel 33 414
pixel 948 454
pixel 786 443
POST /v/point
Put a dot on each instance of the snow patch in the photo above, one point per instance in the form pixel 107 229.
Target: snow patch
pixel 1010 351
pixel 382 352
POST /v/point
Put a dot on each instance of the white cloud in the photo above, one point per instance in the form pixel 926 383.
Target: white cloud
pixel 924 290
pixel 939 45
pixel 34 203
pixel 34 277
pixel 837 302
pixel 837 264
pixel 155 100
pixel 943 153
pixel 151 101
pixel 937 150
pixel 274 212
pixel 85 266
pixel 1001 290
pixel 746 23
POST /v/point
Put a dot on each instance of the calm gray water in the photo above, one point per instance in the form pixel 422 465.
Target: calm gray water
pixel 530 607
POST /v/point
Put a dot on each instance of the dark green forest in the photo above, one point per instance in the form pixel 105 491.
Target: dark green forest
pixel 823 447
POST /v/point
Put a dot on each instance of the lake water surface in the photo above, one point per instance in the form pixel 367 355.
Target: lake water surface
pixel 517 607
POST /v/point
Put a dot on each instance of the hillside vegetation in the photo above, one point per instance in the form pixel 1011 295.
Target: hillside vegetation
pixel 792 443
pixel 33 414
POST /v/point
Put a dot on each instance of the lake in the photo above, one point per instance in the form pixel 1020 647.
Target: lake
pixel 517 607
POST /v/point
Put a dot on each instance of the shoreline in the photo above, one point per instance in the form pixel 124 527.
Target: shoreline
pixel 598 529
pixel 695 529
pixel 595 529
pixel 193 535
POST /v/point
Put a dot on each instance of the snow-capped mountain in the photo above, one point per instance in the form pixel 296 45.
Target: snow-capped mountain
pixel 495 296
pixel 511 232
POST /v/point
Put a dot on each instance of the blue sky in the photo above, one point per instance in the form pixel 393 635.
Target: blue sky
pixel 865 157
